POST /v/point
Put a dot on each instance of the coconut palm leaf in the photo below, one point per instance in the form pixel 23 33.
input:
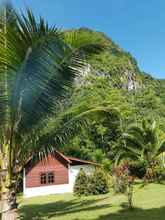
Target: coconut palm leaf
pixel 67 125
pixel 85 42
pixel 125 154
pixel 37 68
pixel 132 141
pixel 143 142
pixel 161 148
pixel 33 49
pixel 138 133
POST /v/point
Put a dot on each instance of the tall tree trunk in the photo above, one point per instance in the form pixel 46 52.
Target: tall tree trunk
pixel 8 205
pixel 8 196
pixel 130 195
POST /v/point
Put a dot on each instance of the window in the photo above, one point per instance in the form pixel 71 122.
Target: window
pixel 43 178
pixel 50 177
pixel 47 178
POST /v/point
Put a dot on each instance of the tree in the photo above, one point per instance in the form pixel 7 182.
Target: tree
pixel 94 184
pixel 98 182
pixel 101 134
pixel 81 183
pixel 142 143
pixel 38 65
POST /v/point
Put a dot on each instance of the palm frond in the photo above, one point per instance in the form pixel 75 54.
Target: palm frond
pixel 32 32
pixel 39 67
pixel 132 141
pixel 84 42
pixel 143 141
pixel 60 130
pixel 161 148
pixel 137 132
pixel 36 92
pixel 124 154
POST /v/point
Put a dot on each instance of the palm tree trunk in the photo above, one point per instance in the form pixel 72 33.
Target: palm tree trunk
pixel 130 195
pixel 8 205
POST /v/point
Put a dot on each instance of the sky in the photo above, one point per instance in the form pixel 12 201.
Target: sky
pixel 136 26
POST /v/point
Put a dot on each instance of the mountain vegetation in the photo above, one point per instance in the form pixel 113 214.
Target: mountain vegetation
pixel 113 77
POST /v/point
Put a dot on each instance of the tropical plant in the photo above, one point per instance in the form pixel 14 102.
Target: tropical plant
pixel 81 183
pixel 142 143
pixel 123 181
pixel 98 182
pixel 38 64
pixel 119 178
pixel 92 184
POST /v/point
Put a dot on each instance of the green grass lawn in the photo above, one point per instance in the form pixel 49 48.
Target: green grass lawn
pixel 149 204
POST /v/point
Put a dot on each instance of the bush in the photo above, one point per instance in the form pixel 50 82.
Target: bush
pixel 93 184
pixel 138 169
pixel 98 183
pixel 107 165
pixel 81 184
pixel 154 172
pixel 159 172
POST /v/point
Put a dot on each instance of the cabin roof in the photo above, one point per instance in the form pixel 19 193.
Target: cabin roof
pixel 74 159
pixel 70 160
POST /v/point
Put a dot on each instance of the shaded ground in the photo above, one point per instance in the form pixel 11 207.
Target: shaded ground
pixel 149 205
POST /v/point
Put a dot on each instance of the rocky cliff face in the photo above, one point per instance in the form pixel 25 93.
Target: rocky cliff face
pixel 127 80
pixel 118 66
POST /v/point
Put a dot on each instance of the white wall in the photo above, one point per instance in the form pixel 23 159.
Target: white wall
pixel 56 189
pixel 74 170
pixel 47 190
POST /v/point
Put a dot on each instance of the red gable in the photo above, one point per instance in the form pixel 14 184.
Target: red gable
pixel 55 165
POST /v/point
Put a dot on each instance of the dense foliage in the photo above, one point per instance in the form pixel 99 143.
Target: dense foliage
pixel 142 143
pixel 98 183
pixel 113 77
pixel 94 184
pixel 81 183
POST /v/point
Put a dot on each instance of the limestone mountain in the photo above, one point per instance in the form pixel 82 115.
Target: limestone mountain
pixel 118 66
pixel 113 77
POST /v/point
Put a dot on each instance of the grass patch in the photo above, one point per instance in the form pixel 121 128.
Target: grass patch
pixel 149 204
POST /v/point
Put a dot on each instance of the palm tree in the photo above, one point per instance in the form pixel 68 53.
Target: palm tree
pixel 142 143
pixel 38 64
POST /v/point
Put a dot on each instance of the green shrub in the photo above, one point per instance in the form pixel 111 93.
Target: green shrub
pixel 138 169
pixel 160 172
pixel 98 183
pixel 107 165
pixel 81 184
pixel 94 184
